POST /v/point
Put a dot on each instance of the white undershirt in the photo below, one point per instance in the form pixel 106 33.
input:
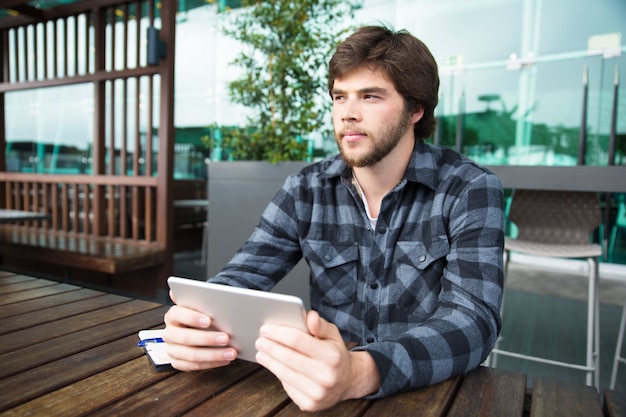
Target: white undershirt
pixel 367 207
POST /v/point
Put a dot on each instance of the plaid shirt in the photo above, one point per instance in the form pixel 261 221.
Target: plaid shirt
pixel 420 292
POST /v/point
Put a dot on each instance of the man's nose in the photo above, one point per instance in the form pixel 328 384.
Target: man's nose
pixel 351 111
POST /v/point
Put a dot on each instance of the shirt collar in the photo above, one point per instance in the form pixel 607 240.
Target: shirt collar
pixel 422 166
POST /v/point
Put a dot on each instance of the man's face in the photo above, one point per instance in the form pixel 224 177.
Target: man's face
pixel 369 117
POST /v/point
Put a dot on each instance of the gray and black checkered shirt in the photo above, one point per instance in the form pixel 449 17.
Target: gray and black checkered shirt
pixel 420 292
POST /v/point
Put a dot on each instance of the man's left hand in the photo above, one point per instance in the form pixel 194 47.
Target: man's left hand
pixel 316 370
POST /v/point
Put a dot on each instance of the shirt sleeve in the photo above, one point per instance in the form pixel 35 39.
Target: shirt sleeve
pixel 465 324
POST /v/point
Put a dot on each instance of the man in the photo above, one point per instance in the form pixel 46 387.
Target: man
pixel 404 241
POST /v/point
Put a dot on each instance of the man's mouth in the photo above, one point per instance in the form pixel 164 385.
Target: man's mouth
pixel 353 135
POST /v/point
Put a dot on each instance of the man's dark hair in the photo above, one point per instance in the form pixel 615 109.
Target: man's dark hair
pixel 400 56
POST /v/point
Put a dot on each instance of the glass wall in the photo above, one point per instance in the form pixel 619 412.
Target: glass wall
pixel 511 71
pixel 511 83
pixel 513 87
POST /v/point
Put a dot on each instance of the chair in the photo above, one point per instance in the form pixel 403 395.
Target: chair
pixel 620 222
pixel 618 350
pixel 558 224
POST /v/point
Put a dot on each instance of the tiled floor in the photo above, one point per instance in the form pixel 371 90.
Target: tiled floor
pixel 545 314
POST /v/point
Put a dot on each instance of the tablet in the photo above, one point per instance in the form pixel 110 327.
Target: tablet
pixel 239 312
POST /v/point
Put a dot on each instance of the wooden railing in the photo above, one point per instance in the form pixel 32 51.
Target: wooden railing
pixel 91 205
pixel 113 227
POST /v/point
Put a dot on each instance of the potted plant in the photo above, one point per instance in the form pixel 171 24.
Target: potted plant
pixel 286 47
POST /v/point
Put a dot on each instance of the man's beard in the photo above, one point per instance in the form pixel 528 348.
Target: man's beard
pixel 383 145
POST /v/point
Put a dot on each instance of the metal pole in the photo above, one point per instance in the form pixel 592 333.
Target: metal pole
pixel 611 161
pixel 614 117
pixel 460 128
pixel 582 138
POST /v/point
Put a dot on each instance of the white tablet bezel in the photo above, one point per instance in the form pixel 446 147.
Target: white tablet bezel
pixel 240 312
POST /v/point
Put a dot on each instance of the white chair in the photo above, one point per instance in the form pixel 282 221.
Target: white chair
pixel 558 224
pixel 618 349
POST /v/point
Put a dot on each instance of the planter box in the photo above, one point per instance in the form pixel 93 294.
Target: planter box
pixel 238 193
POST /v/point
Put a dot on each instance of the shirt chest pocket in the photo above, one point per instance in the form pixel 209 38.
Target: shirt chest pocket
pixel 333 271
pixel 418 273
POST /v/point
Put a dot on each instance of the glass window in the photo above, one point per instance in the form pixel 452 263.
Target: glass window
pixel 511 73
pixel 44 134
pixel 511 86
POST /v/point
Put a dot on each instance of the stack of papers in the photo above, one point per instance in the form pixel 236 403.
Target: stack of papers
pixel 154 346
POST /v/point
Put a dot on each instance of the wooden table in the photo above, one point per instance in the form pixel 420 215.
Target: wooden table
pixel 199 203
pixel 8 215
pixel 66 350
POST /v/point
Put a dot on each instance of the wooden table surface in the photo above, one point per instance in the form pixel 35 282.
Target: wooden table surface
pixel 8 215
pixel 69 351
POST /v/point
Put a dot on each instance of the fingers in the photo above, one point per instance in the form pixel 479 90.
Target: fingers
pixel 305 381
pixel 303 391
pixel 193 358
pixel 185 317
pixel 311 369
pixel 321 328
pixel 190 344
pixel 297 370
pixel 287 355
pixel 194 337
pixel 301 350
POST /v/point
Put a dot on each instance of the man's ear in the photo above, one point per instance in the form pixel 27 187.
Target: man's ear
pixel 417 114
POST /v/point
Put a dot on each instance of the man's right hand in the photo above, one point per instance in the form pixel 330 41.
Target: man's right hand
pixel 190 345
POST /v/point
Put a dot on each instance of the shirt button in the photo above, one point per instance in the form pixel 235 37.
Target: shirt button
pixel 382 229
pixel 370 340
pixel 422 258
pixel 374 285
pixel 328 257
